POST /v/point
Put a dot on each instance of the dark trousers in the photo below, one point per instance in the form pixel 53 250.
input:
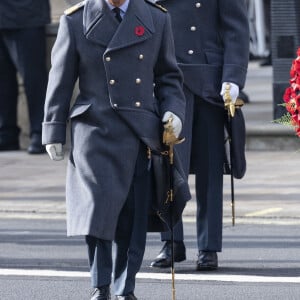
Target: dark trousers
pixel 22 51
pixel 130 237
pixel 204 132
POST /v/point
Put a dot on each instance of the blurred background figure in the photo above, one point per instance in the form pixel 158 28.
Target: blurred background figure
pixel 260 30
pixel 267 21
pixel 259 16
pixel 22 52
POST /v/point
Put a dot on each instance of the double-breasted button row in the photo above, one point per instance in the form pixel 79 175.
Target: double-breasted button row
pixel 136 104
pixel 194 28
pixel 108 58
pixel 137 81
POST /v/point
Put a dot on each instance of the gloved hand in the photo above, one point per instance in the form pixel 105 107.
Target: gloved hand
pixel 176 123
pixel 234 91
pixel 55 151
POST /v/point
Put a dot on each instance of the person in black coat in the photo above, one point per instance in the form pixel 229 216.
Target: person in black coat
pixel 122 53
pixel 212 50
pixel 22 51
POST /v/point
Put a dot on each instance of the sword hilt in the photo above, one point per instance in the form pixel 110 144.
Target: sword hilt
pixel 169 138
pixel 229 105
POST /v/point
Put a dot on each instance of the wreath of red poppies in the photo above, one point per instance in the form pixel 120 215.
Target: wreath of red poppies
pixel 291 96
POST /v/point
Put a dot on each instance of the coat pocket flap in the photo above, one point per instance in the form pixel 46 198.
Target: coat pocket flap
pixel 145 124
pixel 78 109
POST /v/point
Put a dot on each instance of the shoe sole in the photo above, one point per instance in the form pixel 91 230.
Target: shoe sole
pixel 9 148
pixel 206 268
pixel 41 151
pixel 178 260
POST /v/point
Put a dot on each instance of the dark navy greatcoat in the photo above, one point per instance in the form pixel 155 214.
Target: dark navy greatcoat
pixel 22 50
pixel 212 47
pixel 24 13
pixel 211 42
pixel 117 67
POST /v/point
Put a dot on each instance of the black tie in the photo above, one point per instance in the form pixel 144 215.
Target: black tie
pixel 117 12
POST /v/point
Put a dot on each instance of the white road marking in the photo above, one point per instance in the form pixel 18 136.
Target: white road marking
pixel 186 219
pixel 253 220
pixel 263 212
pixel 155 276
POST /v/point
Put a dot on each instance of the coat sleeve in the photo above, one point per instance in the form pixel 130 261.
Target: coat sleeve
pixel 62 78
pixel 168 77
pixel 234 27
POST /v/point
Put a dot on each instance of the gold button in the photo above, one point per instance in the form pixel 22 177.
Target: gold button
pixel 141 56
pixel 138 81
pixel 107 58
pixel 112 82
pixel 137 104
pixel 193 28
pixel 190 52
pixel 198 4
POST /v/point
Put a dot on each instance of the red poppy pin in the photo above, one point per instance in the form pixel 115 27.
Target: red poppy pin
pixel 139 30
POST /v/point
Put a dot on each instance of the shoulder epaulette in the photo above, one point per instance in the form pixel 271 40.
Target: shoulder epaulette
pixel 74 8
pixel 156 5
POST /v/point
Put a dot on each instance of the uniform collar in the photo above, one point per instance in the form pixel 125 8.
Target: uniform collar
pixel 123 7
pixel 101 27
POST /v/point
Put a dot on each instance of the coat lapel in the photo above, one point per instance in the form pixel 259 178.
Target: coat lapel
pixel 101 27
pixel 99 24
pixel 136 26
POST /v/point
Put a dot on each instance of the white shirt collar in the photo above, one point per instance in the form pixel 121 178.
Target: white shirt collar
pixel 123 7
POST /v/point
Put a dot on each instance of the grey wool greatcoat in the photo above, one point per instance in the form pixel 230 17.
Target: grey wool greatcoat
pixel 125 68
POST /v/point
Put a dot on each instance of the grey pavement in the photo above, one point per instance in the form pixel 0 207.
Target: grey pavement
pixel 264 243
pixel 33 186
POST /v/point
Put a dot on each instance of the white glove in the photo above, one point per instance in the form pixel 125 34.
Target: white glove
pixel 176 123
pixel 234 91
pixel 55 151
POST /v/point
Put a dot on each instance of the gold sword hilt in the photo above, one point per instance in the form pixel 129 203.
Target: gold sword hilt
pixel 168 135
pixel 169 138
pixel 229 105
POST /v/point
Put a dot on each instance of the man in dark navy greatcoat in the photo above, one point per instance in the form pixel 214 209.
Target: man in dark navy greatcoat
pixel 211 45
pixel 122 53
pixel 22 50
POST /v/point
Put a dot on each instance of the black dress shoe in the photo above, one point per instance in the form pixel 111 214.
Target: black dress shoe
pixel 127 297
pixel 36 146
pixel 163 260
pixel 101 293
pixel 207 260
pixel 9 146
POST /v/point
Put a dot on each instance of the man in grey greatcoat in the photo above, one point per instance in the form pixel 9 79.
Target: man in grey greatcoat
pixel 212 50
pixel 122 53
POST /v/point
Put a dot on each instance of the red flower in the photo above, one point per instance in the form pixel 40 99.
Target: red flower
pixel 139 30
pixel 297 65
pixel 291 95
pixel 287 94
